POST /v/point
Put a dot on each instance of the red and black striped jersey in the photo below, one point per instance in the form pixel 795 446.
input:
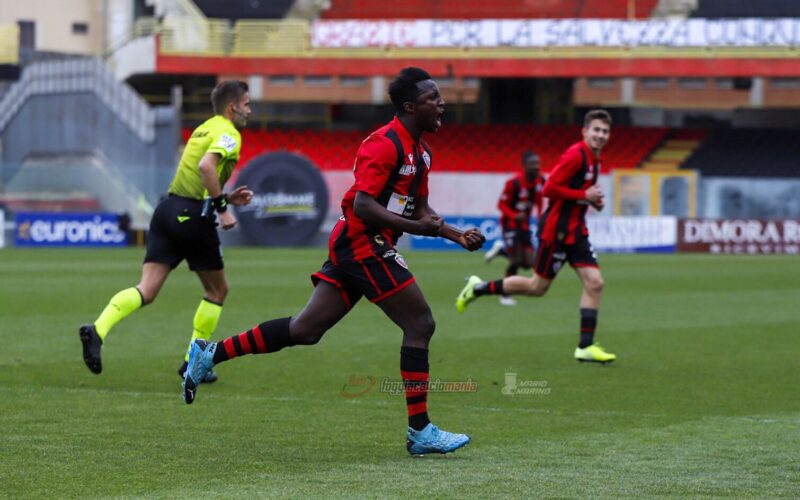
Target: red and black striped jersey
pixel 520 196
pixel 391 168
pixel 575 172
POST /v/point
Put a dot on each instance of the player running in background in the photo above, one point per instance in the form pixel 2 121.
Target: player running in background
pixel 183 225
pixel 521 194
pixel 563 237
pixel 389 197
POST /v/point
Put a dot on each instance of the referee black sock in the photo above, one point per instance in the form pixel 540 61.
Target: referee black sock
pixel 588 325
pixel 414 370
pixel 267 337
pixel 489 288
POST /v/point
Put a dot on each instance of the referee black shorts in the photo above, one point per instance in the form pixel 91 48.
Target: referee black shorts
pixel 375 277
pixel 177 232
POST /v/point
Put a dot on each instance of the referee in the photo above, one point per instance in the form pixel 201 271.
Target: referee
pixel 184 227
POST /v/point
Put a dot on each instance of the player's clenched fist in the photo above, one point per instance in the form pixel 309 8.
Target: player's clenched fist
pixel 472 239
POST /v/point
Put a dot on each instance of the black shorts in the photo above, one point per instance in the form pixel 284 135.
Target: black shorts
pixel 374 277
pixel 516 240
pixel 551 256
pixel 177 232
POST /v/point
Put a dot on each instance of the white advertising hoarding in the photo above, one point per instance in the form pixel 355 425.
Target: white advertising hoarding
pixel 633 234
pixel 557 33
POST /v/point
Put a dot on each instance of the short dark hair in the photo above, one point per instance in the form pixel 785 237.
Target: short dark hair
pixel 528 154
pixel 227 91
pixel 404 87
pixel 597 114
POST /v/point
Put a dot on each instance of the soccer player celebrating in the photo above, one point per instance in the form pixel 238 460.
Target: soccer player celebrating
pixel 389 197
pixel 521 194
pixel 183 225
pixel 563 237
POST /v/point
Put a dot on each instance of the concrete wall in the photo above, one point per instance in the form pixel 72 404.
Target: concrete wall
pixel 54 20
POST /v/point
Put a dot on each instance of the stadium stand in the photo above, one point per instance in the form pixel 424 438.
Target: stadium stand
pixel 489 9
pixel 676 148
pixel 746 8
pixel 747 153
pixel 464 148
pixel 93 135
pixel 244 9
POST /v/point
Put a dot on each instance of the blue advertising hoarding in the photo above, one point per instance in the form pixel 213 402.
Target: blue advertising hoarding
pixel 489 226
pixel 42 229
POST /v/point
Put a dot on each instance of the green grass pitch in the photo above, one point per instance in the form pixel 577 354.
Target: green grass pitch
pixel 703 400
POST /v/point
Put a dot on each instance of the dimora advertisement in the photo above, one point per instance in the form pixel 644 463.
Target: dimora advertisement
pixel 42 229
pixel 740 236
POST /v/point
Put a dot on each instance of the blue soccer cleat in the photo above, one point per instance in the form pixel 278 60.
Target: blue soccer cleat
pixel 201 360
pixel 211 376
pixel 432 440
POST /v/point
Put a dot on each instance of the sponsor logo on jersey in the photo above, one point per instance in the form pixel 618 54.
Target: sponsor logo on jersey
pixel 408 170
pixel 400 261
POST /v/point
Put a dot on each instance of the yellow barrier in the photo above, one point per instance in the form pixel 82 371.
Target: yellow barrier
pixel 255 38
pixel 186 36
pixel 639 192
pixel 9 44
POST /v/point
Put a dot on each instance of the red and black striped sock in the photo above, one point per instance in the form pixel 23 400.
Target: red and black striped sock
pixel 414 370
pixel 489 288
pixel 271 336
pixel 588 325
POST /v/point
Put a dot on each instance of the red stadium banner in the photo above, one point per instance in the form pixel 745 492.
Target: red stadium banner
pixel 739 236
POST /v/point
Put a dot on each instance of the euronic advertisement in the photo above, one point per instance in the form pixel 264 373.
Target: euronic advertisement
pixel 289 203
pixel 42 229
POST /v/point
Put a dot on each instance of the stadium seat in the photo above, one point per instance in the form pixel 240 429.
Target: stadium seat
pixel 747 153
pixel 244 9
pixel 460 148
